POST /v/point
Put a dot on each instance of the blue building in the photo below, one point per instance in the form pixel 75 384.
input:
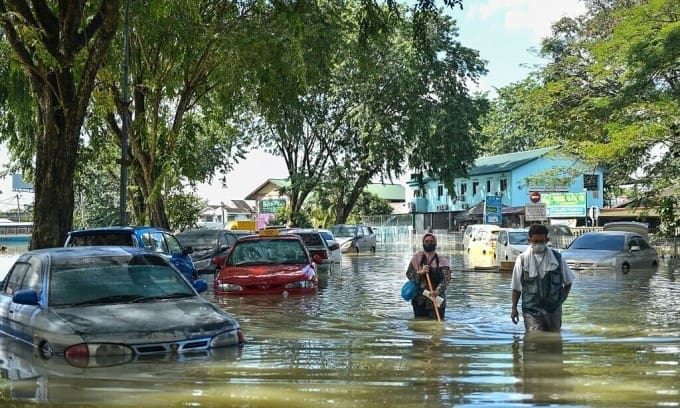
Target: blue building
pixel 567 186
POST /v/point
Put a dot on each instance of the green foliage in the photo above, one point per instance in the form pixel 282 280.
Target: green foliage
pixel 609 93
pixel 184 210
pixel 369 204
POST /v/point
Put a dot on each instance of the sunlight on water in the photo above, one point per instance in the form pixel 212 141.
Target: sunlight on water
pixel 356 344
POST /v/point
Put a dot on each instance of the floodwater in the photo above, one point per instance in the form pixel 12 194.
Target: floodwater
pixel 356 344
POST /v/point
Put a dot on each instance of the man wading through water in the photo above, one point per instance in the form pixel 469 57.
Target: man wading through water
pixel 543 281
pixel 428 262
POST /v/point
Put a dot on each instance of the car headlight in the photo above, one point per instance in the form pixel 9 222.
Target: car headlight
pixel 228 287
pixel 98 354
pixel 347 245
pixel 230 338
pixel 305 284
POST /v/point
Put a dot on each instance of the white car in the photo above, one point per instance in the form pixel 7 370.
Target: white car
pixel 333 244
pixel 511 242
pixel 354 238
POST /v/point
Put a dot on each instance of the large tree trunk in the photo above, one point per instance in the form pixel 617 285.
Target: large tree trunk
pixel 56 155
pixel 61 50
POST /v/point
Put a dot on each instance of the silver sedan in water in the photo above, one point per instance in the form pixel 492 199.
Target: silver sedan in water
pixel 92 304
pixel 610 250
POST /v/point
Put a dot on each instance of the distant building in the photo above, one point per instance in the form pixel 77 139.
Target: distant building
pixel 566 185
pixel 219 215
pixel 269 199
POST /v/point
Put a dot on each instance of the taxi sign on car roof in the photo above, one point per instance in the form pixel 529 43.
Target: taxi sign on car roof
pixel 269 233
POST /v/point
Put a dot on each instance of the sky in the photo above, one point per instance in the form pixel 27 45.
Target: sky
pixel 503 31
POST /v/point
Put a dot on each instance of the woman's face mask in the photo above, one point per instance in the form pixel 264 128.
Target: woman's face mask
pixel 429 246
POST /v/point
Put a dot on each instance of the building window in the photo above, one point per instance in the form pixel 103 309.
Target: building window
pixel 488 186
pixel 416 193
pixel 440 190
pixel 590 181
pixel 475 187
pixel 504 184
pixel 463 189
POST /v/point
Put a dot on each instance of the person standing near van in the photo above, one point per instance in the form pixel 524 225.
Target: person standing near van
pixel 543 281
pixel 428 263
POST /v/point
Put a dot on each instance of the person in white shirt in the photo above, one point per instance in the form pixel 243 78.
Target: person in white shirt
pixel 543 281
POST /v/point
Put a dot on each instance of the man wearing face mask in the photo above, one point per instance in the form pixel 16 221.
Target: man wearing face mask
pixel 428 262
pixel 543 281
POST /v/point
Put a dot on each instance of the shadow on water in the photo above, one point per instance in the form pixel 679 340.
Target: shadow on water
pixel 356 344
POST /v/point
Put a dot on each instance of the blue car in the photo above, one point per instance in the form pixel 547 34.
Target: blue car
pixel 102 304
pixel 153 239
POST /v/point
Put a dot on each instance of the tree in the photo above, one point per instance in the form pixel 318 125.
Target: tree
pixel 60 48
pixel 363 109
pixel 184 99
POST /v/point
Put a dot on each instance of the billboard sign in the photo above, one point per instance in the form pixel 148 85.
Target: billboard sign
pixel 493 207
pixel 271 206
pixel 535 212
pixel 565 205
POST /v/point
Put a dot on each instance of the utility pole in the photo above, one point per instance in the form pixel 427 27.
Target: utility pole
pixel 18 210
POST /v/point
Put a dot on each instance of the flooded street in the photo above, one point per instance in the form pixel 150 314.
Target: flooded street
pixel 356 344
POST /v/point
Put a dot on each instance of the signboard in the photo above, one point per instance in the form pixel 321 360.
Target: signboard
pixel 271 206
pixel 565 205
pixel 493 207
pixel 20 186
pixel 535 196
pixel 535 212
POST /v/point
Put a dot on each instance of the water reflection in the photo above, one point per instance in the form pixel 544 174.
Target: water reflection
pixel 356 344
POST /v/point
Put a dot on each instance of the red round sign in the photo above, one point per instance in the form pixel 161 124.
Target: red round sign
pixel 535 196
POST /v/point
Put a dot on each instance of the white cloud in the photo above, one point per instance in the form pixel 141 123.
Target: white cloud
pixel 535 16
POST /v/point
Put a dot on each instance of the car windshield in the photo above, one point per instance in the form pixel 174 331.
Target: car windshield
pixel 599 242
pixel 114 279
pixel 327 235
pixel 311 239
pixel 199 239
pixel 268 251
pixel 92 238
pixel 519 238
pixel 344 231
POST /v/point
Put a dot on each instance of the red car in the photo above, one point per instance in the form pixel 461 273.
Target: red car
pixel 267 264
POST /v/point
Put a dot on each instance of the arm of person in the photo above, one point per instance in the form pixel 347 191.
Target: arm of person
pixel 514 314
pixel 446 279
pixel 412 273
pixel 516 286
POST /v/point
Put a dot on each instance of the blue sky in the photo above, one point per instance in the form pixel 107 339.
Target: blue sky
pixel 502 30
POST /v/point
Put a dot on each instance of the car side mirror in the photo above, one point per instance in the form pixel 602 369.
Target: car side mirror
pixel 188 250
pixel 334 247
pixel 26 297
pixel 200 285
pixel 219 260
pixel 317 259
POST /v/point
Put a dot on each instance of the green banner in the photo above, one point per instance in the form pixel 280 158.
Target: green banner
pixel 271 206
pixel 565 204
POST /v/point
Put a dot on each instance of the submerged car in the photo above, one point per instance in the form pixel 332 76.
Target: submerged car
pixel 510 243
pixel 354 238
pixel 206 245
pixel 95 304
pixel 153 239
pixel 270 263
pixel 480 252
pixel 610 250
pixel 332 243
pixel 315 244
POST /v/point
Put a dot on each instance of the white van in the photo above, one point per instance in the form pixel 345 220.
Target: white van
pixel 471 230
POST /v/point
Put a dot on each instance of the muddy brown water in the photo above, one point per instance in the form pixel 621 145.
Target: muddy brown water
pixel 356 344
